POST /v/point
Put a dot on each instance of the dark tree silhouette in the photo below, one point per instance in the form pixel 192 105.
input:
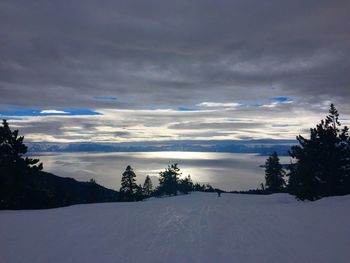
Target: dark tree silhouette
pixel 274 173
pixel 198 187
pixel 12 151
pixel 15 169
pixel 129 187
pixel 208 188
pixel 186 185
pixel 147 186
pixel 168 180
pixel 139 193
pixel 322 166
pixel 203 188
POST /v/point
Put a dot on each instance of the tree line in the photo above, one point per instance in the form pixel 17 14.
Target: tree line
pixel 170 184
pixel 320 165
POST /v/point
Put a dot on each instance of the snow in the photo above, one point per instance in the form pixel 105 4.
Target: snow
pixel 200 227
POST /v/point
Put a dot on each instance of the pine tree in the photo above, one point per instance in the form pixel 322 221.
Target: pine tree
pixel 129 187
pixel 168 180
pixel 17 171
pixel 186 185
pixel 147 186
pixel 274 174
pixel 12 151
pixel 322 166
pixel 139 193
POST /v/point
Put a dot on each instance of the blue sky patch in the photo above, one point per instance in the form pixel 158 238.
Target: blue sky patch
pixel 185 109
pixel 22 112
pixel 280 99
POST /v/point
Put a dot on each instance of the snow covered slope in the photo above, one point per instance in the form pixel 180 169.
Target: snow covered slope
pixel 200 227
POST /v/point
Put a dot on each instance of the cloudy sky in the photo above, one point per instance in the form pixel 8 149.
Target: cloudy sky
pixel 165 70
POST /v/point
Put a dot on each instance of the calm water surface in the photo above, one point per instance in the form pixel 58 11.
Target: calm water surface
pixel 228 171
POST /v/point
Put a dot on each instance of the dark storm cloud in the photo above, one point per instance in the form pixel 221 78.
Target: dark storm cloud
pixel 172 53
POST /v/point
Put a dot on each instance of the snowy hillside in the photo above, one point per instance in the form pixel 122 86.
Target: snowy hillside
pixel 200 227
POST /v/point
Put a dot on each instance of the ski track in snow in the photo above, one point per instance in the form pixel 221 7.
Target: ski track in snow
pixel 199 227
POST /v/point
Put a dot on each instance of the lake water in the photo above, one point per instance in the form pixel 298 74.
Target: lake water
pixel 228 171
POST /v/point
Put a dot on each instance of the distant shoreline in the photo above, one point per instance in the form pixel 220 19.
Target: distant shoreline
pixel 261 147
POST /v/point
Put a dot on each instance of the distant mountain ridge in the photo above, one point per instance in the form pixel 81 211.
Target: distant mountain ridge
pixel 263 147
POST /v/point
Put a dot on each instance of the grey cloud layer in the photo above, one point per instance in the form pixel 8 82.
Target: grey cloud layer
pixel 172 53
pixel 225 59
pixel 284 121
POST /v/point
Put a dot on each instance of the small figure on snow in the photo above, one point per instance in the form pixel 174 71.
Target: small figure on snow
pixel 219 192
